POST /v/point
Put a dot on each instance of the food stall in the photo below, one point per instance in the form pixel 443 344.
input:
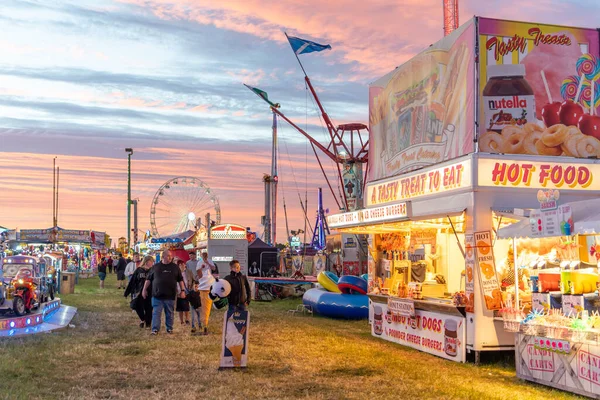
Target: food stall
pixel 226 242
pixel 438 275
pixel 557 325
pixel 462 138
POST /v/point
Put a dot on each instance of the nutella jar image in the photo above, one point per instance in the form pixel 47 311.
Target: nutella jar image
pixel 377 320
pixel 451 337
pixel 508 98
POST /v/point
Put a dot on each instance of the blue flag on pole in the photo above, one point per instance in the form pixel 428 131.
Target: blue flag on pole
pixel 303 46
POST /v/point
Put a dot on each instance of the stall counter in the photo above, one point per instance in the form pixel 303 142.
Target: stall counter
pixel 575 369
pixel 430 326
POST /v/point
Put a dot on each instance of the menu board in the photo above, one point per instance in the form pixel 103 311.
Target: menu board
pixel 547 223
pixel 469 272
pixel 486 265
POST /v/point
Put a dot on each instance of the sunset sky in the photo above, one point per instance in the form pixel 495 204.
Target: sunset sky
pixel 84 79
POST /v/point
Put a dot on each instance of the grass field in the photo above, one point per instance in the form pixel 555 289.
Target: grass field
pixel 106 356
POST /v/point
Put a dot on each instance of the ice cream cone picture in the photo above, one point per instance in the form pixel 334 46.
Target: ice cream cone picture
pixel 236 354
pixel 235 351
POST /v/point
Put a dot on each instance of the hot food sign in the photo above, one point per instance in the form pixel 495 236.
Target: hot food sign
pixel 538 175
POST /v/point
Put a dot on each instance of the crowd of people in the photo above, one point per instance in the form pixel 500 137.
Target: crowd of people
pixel 172 286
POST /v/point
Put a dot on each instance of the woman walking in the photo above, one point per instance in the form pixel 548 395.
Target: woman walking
pixel 182 306
pixel 102 272
pixel 143 307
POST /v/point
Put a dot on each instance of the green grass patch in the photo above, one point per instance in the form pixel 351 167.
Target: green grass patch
pixel 106 356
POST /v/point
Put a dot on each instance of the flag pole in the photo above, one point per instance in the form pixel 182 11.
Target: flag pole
pixel 297 58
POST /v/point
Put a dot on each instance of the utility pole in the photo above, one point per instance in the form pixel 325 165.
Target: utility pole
pixel 57 179
pixel 274 180
pixel 54 192
pixel 129 153
pixel 267 217
pixel 135 221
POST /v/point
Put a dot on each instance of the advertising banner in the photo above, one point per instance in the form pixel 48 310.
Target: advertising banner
pixel 320 262
pixel 391 212
pixel 31 235
pixel 353 178
pixel 551 223
pixel 308 266
pixel 298 263
pixel 565 365
pixel 234 348
pixel 425 182
pixel 469 272
pixel 538 175
pixel 70 235
pixel 422 113
pixel 401 307
pixel 490 286
pixel 538 89
pixel 438 334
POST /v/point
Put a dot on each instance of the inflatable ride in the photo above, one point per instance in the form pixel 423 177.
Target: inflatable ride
pixel 343 298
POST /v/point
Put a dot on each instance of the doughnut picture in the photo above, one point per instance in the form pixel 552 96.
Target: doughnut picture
pixel 491 142
pixel 588 146
pixel 534 139
pixel 555 135
pixel 487 270
pixel 469 249
pixel 484 248
pixel 469 274
pixel 530 141
pixel 514 143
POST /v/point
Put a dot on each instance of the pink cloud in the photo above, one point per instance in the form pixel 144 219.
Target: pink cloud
pixel 366 33
pixel 93 190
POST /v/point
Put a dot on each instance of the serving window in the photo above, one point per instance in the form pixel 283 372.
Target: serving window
pixel 418 259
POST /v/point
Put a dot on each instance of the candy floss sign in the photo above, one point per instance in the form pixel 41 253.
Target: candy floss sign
pixel 588 367
pixel 540 360
pixel 538 89
pixel 422 112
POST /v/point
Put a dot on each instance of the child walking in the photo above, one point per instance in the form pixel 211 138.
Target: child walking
pixel 193 297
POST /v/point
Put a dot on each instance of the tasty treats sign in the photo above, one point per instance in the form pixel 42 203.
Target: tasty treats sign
pixel 425 182
pixel 539 89
pixel 422 112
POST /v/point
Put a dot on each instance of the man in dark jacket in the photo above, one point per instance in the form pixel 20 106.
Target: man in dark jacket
pixel 239 297
pixel 120 270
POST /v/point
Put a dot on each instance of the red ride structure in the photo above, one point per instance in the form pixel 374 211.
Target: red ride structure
pixel 348 148
pixel 450 16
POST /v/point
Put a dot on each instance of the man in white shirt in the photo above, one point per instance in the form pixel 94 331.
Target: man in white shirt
pixel 205 276
pixel 207 262
pixel 131 267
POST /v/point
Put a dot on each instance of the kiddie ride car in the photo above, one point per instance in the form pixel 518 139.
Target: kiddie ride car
pixel 23 284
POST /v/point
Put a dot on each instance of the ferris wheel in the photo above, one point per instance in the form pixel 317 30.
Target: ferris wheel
pixel 179 203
